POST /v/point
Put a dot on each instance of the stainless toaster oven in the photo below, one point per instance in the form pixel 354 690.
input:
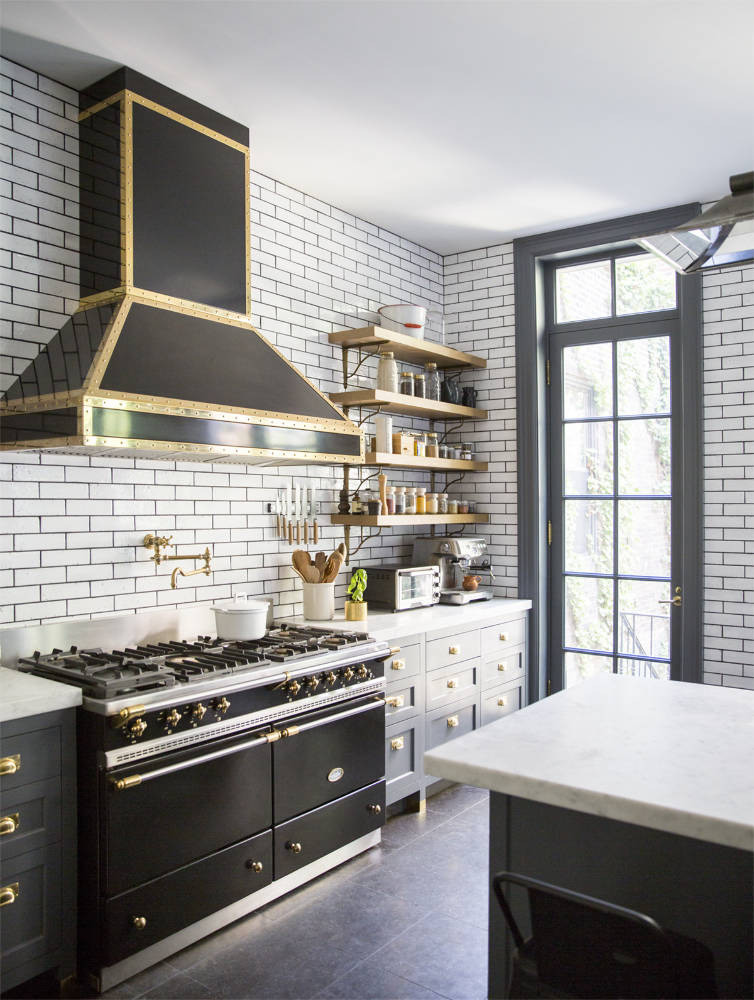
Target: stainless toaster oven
pixel 400 588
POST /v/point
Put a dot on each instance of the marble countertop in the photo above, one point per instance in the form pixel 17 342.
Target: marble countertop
pixel 23 695
pixel 440 617
pixel 667 755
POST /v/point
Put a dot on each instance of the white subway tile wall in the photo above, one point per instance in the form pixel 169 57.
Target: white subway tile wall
pixel 70 528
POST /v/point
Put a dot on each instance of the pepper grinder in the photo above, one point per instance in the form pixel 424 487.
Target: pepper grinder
pixel 382 480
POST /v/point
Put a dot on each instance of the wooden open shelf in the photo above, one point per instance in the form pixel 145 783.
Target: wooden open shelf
pixel 405 348
pixel 394 520
pixel 430 464
pixel 414 406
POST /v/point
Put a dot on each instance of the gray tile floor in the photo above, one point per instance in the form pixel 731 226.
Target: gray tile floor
pixel 407 919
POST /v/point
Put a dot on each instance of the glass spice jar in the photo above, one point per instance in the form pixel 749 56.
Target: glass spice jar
pixel 442 503
pixel 387 372
pixel 420 388
pixel 432 505
pixel 420 445
pixel 421 499
pixel 400 500
pixel 467 451
pixel 410 500
pixel 357 506
pixel 373 503
pixel 452 505
pixel 472 507
pixel 390 499
pixel 432 381
pixel 407 384
pixel 442 451
pixel 463 506
pixel 433 449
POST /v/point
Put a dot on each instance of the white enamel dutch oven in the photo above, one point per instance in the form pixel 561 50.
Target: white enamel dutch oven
pixel 241 618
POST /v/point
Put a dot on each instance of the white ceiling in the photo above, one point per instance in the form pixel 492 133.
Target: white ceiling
pixel 456 124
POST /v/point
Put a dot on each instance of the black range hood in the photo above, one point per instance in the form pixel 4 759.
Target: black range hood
pixel 161 360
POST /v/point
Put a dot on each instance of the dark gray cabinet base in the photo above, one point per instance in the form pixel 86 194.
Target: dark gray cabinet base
pixel 689 886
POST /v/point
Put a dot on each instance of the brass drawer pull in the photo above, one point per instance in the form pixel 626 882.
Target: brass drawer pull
pixel 9 894
pixel 10 765
pixel 119 720
pixel 398 665
pixel 255 866
pixel 453 682
pixel 139 923
pixel 454 650
pixel 375 809
pixel 503 665
pixel 398 743
pixel 501 702
pixel 9 824
pixel 452 721
pixel 294 847
pixel 397 702
pixel 503 637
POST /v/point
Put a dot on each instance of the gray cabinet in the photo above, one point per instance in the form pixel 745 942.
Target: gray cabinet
pixel 443 684
pixel 37 846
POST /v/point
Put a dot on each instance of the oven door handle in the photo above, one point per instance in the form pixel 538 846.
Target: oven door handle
pixel 132 780
pixel 329 719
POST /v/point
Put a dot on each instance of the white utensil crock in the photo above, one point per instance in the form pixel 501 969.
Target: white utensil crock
pixel 241 618
pixel 319 601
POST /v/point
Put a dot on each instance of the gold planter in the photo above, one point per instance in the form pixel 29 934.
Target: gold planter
pixel 356 611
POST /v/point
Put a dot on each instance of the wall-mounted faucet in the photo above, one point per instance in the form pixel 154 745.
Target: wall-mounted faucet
pixel 160 542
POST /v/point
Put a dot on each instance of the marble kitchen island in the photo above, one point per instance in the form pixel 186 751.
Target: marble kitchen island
pixel 636 791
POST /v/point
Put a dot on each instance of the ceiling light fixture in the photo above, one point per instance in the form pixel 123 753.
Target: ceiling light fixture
pixel 722 236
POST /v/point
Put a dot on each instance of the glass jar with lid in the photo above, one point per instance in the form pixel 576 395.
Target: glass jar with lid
pixel 442 450
pixel 421 499
pixel 432 505
pixel 420 388
pixel 472 507
pixel 410 500
pixel 433 449
pixel 420 445
pixel 390 499
pixel 467 450
pixel 442 503
pixel 407 384
pixel 452 505
pixel 432 381
pixel 373 502
pixel 463 506
pixel 387 372
pixel 400 500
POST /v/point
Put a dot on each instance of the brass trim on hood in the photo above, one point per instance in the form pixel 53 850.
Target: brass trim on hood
pixel 113 99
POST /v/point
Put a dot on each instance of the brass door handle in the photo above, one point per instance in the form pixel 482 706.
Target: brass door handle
pixel 294 847
pixel 453 682
pixel 398 665
pixel 676 601
pixel 397 743
pixel 9 894
pixel 452 721
pixel 10 765
pixel 454 650
pixel 255 866
pixel 139 923
pixel 8 824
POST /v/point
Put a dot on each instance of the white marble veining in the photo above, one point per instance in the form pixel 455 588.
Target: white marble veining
pixel 667 755
pixel 22 695
pixel 440 617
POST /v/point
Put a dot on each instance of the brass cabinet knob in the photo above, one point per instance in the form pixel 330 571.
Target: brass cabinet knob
pixel 503 665
pixel 9 765
pixel 503 637
pixel 453 682
pixel 501 702
pixel 137 727
pixel 397 743
pixel 255 866
pixel 398 665
pixel 199 711
pixel 139 923
pixel 9 894
pixel 294 847
pixel 374 809
pixel 452 721
pixel 454 650
pixel 397 701
pixel 8 824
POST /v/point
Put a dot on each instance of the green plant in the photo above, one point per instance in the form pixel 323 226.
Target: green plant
pixel 357 586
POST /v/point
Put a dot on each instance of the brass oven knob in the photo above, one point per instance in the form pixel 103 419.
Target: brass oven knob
pixel 221 705
pixel 255 866
pixel 8 824
pixel 330 678
pixel 348 673
pixel 294 847
pixel 313 683
pixel 172 718
pixel 137 728
pixel 294 687
pixel 139 923
pixel 362 672
pixel 198 711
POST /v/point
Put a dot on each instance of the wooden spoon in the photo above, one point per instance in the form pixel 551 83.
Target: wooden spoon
pixel 320 561
pixel 332 567
pixel 302 563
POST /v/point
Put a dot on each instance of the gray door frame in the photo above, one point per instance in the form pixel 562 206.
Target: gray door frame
pixel 531 254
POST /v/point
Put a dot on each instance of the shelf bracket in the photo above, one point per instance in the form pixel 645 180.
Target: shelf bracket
pixel 364 355
pixel 352 552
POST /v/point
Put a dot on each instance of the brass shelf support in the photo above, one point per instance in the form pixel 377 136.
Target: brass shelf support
pixel 158 543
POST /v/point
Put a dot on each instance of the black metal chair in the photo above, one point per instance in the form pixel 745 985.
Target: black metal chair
pixel 585 947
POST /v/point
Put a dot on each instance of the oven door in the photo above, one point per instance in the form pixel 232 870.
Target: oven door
pixel 416 588
pixel 182 806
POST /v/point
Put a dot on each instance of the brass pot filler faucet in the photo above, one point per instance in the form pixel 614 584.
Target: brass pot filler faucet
pixel 158 542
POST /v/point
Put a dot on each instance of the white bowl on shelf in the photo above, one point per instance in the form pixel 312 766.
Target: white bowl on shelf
pixel 404 318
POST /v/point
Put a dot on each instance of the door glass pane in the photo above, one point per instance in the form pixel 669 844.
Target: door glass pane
pixel 643 623
pixel 644 457
pixel 589 612
pixel 643 284
pixel 589 536
pixel 587 381
pixel 588 458
pixel 653 669
pixel 643 537
pixel 644 376
pixel 582 666
pixel 582 291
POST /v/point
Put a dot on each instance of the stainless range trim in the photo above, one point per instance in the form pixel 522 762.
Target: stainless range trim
pixel 178 741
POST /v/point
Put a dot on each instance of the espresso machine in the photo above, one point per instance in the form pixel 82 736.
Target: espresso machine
pixel 457 558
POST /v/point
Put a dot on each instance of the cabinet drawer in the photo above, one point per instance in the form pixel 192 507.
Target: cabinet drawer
pixel 30 926
pixel 502 701
pixel 508 666
pixel 35 755
pixel 452 683
pixel 323 830
pixel 404 746
pixel 450 722
pixel 406 663
pixel 453 649
pixel 404 700
pixel 34 812
pixel 176 900
pixel 499 638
